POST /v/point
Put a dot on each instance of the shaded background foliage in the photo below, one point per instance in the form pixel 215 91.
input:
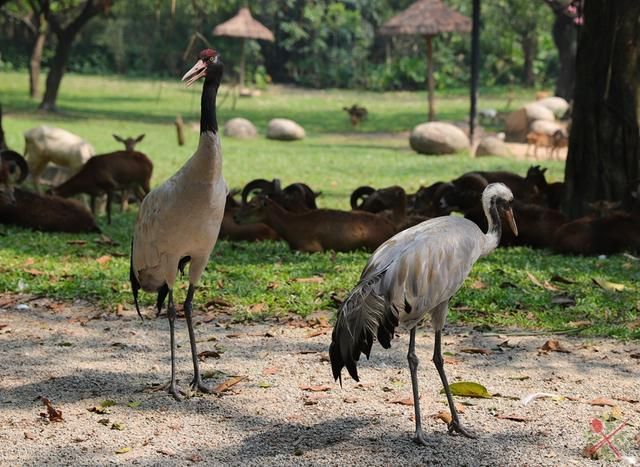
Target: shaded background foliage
pixel 319 43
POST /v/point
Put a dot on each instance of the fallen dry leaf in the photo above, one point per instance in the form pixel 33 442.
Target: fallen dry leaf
pixel 53 414
pixel 602 402
pixel 29 435
pixel 563 300
pixel 312 399
pixel 554 346
pixel 535 280
pixel 208 353
pixel 606 285
pixel 320 388
pixel 627 399
pixel 564 280
pixel 167 452
pixel 104 259
pixel 271 370
pixel 316 279
pixel 526 400
pixel 513 417
pixel 29 262
pixel 225 385
pixel 451 360
pixel 478 284
pixel 350 400
pixel 477 351
pixel 317 333
pixel 402 400
pixel 123 450
pixel 195 458
pixel 258 308
pixel 444 415
pixel 77 242
pixel 34 272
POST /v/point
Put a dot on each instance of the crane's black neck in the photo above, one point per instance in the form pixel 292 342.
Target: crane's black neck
pixel 208 119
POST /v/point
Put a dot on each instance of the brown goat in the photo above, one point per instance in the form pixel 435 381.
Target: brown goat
pixel 391 202
pixel 129 143
pixel 47 213
pixel 231 230
pixel 551 194
pixel 601 232
pixel 320 229
pixel 107 173
pixel 13 170
pixel 356 114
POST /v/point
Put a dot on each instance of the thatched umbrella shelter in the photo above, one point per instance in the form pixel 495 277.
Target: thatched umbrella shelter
pixel 244 26
pixel 426 18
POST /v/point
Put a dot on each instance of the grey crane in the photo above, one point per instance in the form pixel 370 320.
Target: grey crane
pixel 179 221
pixel 412 275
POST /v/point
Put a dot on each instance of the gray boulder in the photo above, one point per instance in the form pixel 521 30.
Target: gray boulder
pixel 240 128
pixel 492 146
pixel 438 138
pixel 284 129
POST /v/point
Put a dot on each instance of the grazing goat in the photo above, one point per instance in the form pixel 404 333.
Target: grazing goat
pixel 319 229
pixel 106 173
pixel 522 189
pixel 361 197
pixel 231 230
pixel 45 144
pixel 552 194
pixel 129 143
pixel 356 113
pixel 13 170
pixel 603 232
pixel 297 197
pixel 427 201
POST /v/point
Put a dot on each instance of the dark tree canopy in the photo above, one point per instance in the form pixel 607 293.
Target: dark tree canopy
pixel 604 148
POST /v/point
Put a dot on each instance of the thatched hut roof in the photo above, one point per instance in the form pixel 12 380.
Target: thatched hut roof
pixel 427 18
pixel 243 25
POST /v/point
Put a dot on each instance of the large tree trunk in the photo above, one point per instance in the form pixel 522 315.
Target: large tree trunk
pixel 65 37
pixel 529 43
pixel 56 71
pixel 604 147
pixel 35 61
pixel 565 37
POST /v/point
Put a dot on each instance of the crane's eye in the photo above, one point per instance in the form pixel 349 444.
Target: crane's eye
pixel 211 59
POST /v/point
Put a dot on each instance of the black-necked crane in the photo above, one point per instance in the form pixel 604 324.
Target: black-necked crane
pixel 412 275
pixel 179 221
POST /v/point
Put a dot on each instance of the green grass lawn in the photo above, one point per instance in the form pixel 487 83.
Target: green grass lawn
pixel 259 279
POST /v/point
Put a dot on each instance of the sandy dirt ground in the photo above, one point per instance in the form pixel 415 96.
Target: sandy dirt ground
pixel 286 409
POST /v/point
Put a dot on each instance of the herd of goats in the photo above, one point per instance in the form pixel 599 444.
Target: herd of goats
pixel 268 211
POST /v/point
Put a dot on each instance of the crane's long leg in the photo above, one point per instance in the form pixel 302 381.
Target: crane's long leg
pixel 196 383
pixel 455 424
pixel 413 367
pixel 171 314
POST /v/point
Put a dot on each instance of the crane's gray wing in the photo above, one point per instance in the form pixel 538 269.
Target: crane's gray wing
pixel 404 279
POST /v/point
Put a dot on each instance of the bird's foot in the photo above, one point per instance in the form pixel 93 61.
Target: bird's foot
pixel 198 385
pixel 456 427
pixel 420 438
pixel 176 392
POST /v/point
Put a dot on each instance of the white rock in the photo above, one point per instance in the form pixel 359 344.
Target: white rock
pixel 240 128
pixel 546 127
pixel 492 146
pixel 438 138
pixel 557 105
pixel 284 129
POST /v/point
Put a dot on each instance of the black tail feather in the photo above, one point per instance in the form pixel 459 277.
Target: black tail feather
pixel 135 284
pixel 164 290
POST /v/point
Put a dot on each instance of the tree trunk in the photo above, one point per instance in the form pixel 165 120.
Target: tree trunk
pixel 36 60
pixel 565 37
pixel 604 147
pixel 65 41
pixel 56 72
pixel 529 45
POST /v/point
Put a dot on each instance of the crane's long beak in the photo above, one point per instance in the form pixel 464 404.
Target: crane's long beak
pixel 195 73
pixel 508 213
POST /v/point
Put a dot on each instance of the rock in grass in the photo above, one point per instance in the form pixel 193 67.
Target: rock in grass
pixel 438 138
pixel 240 128
pixel 492 146
pixel 284 129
